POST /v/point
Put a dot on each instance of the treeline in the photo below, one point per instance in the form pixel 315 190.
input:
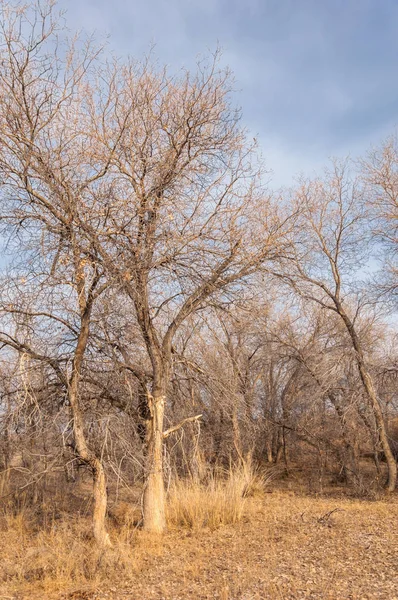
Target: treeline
pixel 161 309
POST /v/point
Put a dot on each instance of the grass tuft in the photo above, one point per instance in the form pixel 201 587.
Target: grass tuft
pixel 220 500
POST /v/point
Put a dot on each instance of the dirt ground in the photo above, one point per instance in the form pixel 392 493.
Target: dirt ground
pixel 287 546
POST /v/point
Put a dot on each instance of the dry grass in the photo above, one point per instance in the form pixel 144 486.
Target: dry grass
pixel 220 500
pixel 285 547
pixel 236 543
pixel 49 558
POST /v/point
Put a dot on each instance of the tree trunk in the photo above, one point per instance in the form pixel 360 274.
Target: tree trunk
pixel 154 508
pixel 374 436
pixel 268 447
pixel 101 535
pixel 347 455
pixel 372 395
pixel 236 434
pixel 381 428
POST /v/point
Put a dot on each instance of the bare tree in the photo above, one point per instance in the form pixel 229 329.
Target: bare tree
pixel 42 320
pixel 187 218
pixel 380 171
pixel 150 175
pixel 316 342
pixel 329 247
pixel 45 164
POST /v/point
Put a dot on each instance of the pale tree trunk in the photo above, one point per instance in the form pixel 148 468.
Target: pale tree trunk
pixel 350 467
pixel 236 434
pixel 374 435
pixel 101 535
pixel 268 443
pixel 381 428
pixel 154 508
pixel 154 497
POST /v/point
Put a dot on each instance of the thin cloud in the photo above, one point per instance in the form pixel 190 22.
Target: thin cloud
pixel 316 78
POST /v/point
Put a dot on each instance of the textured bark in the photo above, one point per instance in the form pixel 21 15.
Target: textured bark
pixel 88 456
pixel 236 434
pixel 101 535
pixel 154 492
pixel 85 453
pixel 381 428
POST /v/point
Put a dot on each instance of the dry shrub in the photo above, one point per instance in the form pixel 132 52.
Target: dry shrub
pixel 125 514
pixel 62 553
pixel 219 500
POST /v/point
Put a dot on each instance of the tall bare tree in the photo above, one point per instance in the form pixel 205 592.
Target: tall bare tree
pixel 45 166
pixel 330 248
pixel 151 176
pixel 186 219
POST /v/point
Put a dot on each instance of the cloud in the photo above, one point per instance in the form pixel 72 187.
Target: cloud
pixel 316 78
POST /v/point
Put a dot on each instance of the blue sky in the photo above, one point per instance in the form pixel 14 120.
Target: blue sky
pixel 315 78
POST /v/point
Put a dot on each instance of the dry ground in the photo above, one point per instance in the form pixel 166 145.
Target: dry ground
pixel 285 546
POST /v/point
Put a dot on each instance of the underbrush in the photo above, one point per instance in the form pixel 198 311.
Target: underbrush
pixel 61 553
pixel 218 500
pixel 44 547
pixel 47 547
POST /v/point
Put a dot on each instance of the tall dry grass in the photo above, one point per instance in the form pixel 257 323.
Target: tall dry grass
pixel 51 554
pixel 219 500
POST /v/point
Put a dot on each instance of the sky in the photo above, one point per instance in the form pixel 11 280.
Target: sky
pixel 315 78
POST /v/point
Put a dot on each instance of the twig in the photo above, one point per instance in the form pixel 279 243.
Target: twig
pixel 324 518
pixel 179 425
